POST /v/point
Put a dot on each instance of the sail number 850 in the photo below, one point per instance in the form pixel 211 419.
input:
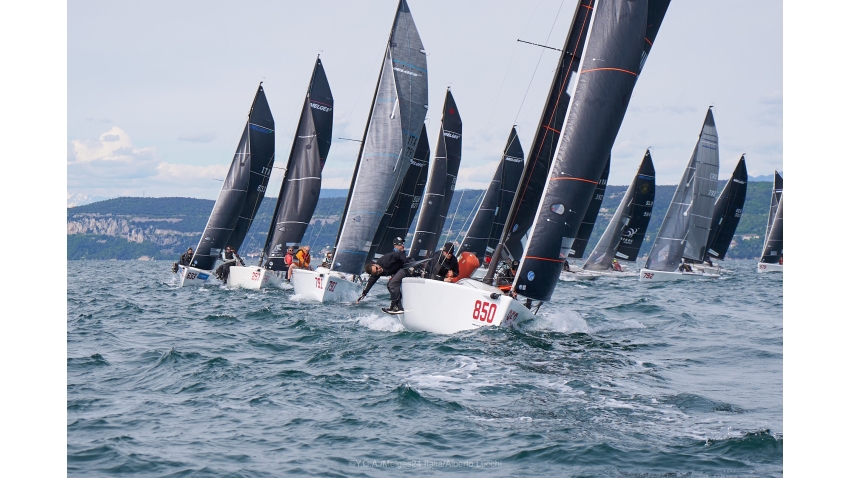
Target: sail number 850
pixel 484 311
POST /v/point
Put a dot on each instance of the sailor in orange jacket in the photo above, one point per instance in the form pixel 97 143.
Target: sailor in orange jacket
pixel 301 260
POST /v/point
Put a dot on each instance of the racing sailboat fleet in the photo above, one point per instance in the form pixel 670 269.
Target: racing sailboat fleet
pixel 536 214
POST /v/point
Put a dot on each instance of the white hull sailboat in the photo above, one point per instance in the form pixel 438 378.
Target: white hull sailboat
pixel 465 305
pixel 765 267
pixel 771 256
pixel 253 278
pixel 581 274
pixel 190 276
pixel 324 285
pixel 648 275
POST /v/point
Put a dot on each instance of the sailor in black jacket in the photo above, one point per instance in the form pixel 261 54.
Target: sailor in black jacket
pixel 394 265
pixel 443 266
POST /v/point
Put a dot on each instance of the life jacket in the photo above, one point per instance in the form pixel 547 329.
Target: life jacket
pixel 287 259
pixel 303 258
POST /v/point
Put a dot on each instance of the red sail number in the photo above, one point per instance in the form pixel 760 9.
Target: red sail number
pixel 648 275
pixel 331 286
pixel 484 311
pixel 255 275
pixel 318 282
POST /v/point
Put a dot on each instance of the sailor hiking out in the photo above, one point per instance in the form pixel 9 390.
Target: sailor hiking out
pixel 301 260
pixel 229 258
pixel 396 265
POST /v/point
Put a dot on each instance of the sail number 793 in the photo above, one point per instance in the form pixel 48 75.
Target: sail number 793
pixel 484 311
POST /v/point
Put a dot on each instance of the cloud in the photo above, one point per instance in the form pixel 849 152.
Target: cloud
pixel 111 156
pixel 99 120
pixel 197 137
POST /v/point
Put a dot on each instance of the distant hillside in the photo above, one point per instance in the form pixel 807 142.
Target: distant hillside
pixel 162 228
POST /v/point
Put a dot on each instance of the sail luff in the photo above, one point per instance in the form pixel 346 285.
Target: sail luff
pixel 611 63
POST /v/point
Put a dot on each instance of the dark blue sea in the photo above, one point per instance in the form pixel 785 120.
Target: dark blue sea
pixel 615 378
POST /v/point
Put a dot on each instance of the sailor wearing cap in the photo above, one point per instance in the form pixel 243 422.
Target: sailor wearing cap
pixel 616 266
pixel 443 266
pixel 394 265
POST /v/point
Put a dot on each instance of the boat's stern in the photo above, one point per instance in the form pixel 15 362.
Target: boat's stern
pixel 324 285
pixel 251 277
pixel 190 276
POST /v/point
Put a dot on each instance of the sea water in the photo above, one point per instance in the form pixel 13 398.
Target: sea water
pixel 613 378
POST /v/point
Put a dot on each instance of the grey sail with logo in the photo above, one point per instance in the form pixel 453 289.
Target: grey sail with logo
pixel 489 221
pixel 302 181
pixel 244 187
pixel 441 183
pixel 398 217
pixel 684 230
pixel 772 252
pixel 625 233
pixel 389 142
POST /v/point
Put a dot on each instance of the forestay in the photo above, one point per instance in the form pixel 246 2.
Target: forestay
pixel 441 182
pixel 626 231
pixel 302 180
pixel 620 37
pixel 687 222
pixel 243 188
pixel 390 140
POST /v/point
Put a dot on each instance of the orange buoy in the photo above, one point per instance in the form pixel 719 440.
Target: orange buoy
pixel 466 264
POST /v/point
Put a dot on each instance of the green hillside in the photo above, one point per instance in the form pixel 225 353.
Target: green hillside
pixel 162 228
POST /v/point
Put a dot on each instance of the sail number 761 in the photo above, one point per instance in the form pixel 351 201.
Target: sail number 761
pixel 484 311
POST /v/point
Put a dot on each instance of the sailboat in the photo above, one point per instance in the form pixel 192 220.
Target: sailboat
pixel 771 256
pixel 442 178
pixel 684 231
pixel 625 233
pixel 299 191
pixel 489 221
pixel 389 142
pixel 240 196
pixel 399 216
pixel 597 74
pixel 586 228
pixel 724 221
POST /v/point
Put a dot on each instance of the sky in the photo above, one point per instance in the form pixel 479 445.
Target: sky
pixel 158 92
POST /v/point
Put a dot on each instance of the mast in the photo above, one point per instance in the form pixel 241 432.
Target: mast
pixel 489 220
pixel 390 141
pixel 243 188
pixel 302 180
pixel 727 213
pixel 625 233
pixel 441 182
pixel 611 64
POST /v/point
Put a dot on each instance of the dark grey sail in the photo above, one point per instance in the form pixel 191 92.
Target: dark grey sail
pixel 625 233
pixel 397 219
pixel 775 196
pixel 489 220
pixel 243 188
pixel 548 132
pixel 302 181
pixel 727 213
pixel 688 218
pixel 586 228
pixel 441 183
pixel 772 253
pixel 389 142
pixel 616 49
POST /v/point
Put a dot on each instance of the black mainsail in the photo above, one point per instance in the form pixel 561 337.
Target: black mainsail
pixel 489 220
pixel 389 142
pixel 772 252
pixel 302 181
pixel 626 231
pixel 684 231
pixel 243 188
pixel 398 217
pixel 586 228
pixel 441 182
pixel 727 213
pixel 620 37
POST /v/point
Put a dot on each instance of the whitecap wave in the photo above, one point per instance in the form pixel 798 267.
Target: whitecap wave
pixel 563 321
pixel 381 323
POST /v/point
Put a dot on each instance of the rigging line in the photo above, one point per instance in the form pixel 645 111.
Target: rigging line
pixel 508 69
pixel 459 201
pixel 538 61
pixel 475 207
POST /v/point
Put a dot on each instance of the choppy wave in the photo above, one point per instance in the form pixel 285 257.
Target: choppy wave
pixel 612 378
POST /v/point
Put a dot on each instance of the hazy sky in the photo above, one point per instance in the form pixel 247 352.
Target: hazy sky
pixel 158 92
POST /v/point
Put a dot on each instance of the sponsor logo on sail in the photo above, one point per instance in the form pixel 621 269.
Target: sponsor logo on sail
pixel 738 181
pixel 405 71
pixel 317 106
pixel 530 275
pixel 450 134
pixel 513 159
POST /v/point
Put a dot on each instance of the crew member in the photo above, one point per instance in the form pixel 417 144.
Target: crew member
pixel 566 266
pixel 186 258
pixel 301 260
pixel 229 258
pixel 328 260
pixel 396 265
pixel 443 266
pixel 505 277
pixel 685 267
pixel 616 266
